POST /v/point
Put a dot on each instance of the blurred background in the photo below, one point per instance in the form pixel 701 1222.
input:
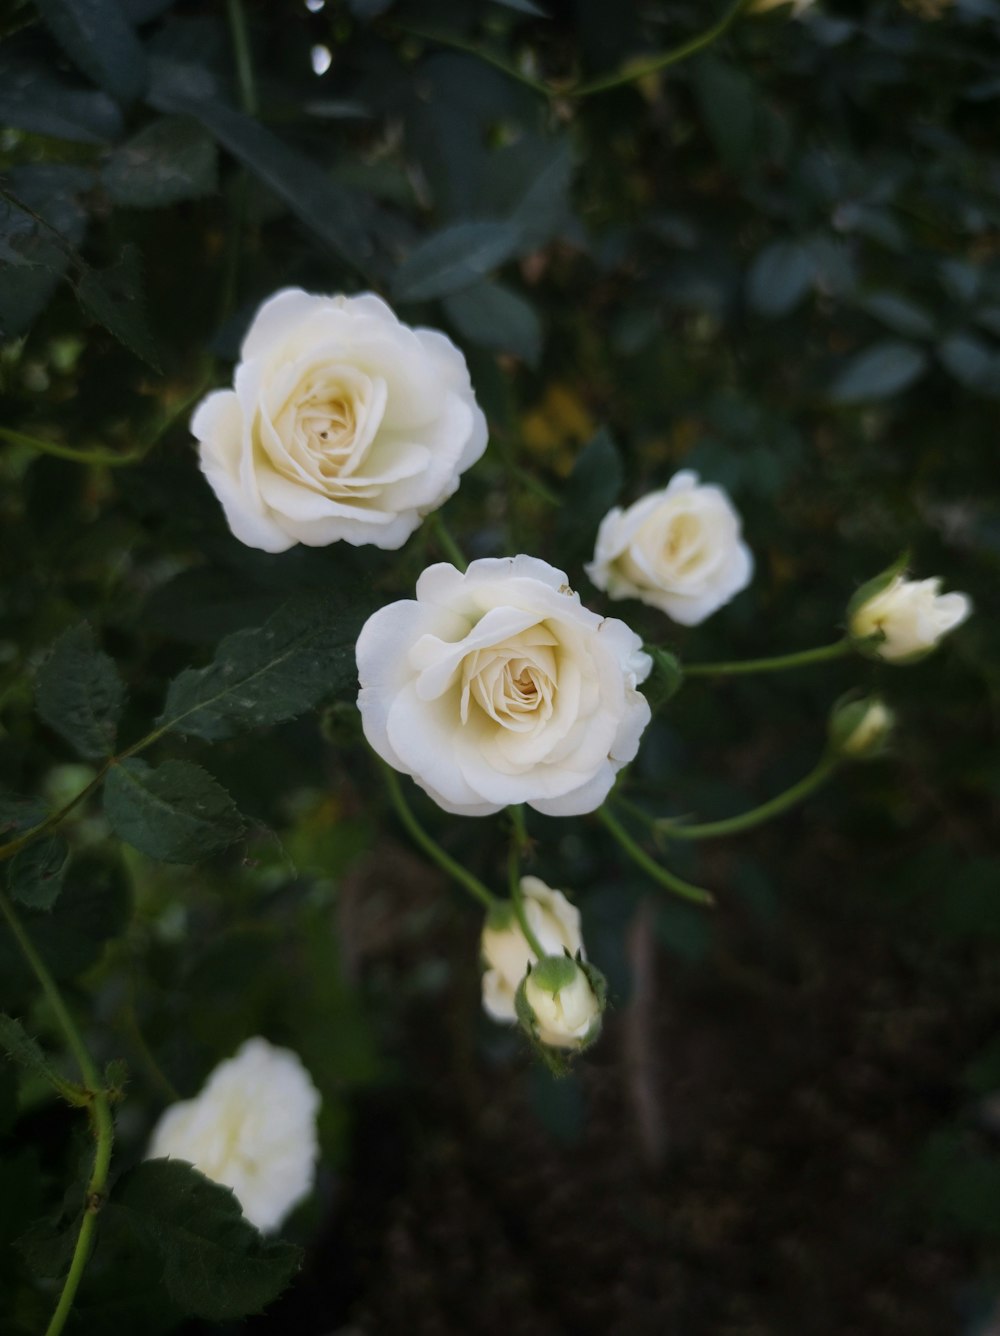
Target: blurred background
pixel 777 262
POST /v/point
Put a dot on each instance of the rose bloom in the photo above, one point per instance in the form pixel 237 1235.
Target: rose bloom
pixel 252 1128
pixel 565 1010
pixel 505 950
pixel 343 423
pixel 678 550
pixel 912 616
pixel 497 686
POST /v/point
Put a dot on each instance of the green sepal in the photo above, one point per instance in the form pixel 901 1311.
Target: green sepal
pixel 847 716
pixel 500 916
pixel 665 680
pixel 870 589
pixel 116 1076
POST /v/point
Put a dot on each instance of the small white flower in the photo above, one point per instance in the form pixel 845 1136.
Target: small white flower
pixel 505 950
pixel 678 550
pixel 343 423
pixel 911 616
pixel 497 686
pixel 560 1005
pixel 252 1128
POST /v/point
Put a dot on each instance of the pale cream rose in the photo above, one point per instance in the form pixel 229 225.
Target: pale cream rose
pixel 496 686
pixel 911 616
pixel 861 728
pixel 565 1012
pixel 505 950
pixel 343 424
pixel 678 550
pixel 252 1128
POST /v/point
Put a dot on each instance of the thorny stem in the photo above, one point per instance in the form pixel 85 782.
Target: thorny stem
pixel 99 1108
pixel 676 885
pixel 429 845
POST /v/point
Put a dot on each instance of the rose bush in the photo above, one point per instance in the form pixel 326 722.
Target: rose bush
pixel 498 686
pixel 251 1128
pixel 505 949
pixel 678 550
pixel 343 424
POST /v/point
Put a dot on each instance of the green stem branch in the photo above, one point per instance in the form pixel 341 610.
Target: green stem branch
pixel 99 1108
pixel 519 837
pixel 674 56
pixel 676 885
pixel 756 816
pixel 779 663
pixel 429 845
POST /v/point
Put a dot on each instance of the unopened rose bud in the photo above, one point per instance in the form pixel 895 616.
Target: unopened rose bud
pixel 505 950
pixel 860 729
pixel 902 620
pixel 560 1002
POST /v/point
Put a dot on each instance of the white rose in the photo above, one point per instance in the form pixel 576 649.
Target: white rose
pixel 506 953
pixel 564 1011
pixel 912 616
pixel 678 550
pixel 252 1128
pixel 498 687
pixel 343 424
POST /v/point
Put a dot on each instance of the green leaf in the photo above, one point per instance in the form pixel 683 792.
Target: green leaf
pixel 731 109
pixel 879 372
pixel 495 317
pixel 341 217
pixel 456 257
pixel 32 99
pixel 19 814
pixel 972 362
pixel 35 875
pixel 588 494
pixel 94 908
pixel 780 277
pixel 78 693
pixel 528 185
pixel 216 1266
pixel 899 314
pixel 41 253
pixel 272 673
pixel 99 40
pixel 26 1052
pixel 523 7
pixel 113 297
pixel 171 159
pixel 176 813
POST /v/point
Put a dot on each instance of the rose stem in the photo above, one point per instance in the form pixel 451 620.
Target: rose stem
pixel 430 846
pixel 774 665
pixel 98 1107
pixel 676 885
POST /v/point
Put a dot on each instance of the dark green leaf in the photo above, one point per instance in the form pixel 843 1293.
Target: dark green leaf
pixel 113 296
pixel 523 7
pixel 215 1264
pixel 35 875
pixel 32 99
pixel 879 372
pixel 79 693
pixel 169 160
pixel 176 813
pixel 528 185
pixel 780 277
pixel 19 814
pixel 269 674
pixel 99 39
pixel 666 678
pixel 21 1049
pixel 730 108
pixel 589 493
pixel 35 254
pixel 494 317
pixel 454 258
pixel 899 313
pixel 341 217
pixel 972 362
pixel 8 1103
pixel 93 907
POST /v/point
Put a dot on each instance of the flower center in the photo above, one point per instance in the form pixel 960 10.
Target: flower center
pixel 681 547
pixel 513 684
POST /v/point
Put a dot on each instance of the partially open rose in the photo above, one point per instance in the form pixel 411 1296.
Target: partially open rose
pixel 497 686
pixel 343 423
